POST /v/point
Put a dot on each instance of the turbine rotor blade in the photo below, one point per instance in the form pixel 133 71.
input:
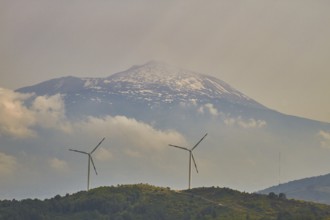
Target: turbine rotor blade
pixel 97 146
pixel 192 156
pixel 78 151
pixel 198 142
pixel 183 148
pixel 91 158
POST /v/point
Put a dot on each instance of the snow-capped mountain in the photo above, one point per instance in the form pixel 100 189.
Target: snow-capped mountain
pixel 244 136
pixel 152 84
pixel 161 82
pixel 155 91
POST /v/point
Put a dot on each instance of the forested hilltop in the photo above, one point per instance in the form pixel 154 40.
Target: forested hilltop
pixel 143 201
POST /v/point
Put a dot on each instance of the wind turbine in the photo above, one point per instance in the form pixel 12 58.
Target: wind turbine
pixel 191 156
pixel 90 159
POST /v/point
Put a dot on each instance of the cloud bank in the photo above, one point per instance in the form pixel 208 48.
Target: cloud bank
pixel 49 112
pixel 245 123
pixel 209 108
pixel 15 119
pixel 239 121
pixel 129 133
pixel 18 120
pixel 37 133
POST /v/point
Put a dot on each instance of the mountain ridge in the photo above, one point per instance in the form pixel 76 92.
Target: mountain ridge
pixel 314 189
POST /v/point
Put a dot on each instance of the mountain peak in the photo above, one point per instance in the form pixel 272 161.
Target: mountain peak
pixel 154 82
pixel 171 81
pixel 153 71
pixel 162 74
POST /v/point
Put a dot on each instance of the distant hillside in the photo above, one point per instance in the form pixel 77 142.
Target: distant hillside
pixel 148 202
pixel 315 189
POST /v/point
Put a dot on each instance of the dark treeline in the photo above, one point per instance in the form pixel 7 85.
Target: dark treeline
pixel 143 201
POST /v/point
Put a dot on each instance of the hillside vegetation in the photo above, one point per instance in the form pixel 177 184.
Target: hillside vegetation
pixel 143 201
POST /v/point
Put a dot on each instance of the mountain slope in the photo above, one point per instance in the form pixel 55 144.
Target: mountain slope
pixel 149 202
pixel 315 189
pixel 155 89
pixel 143 109
pixel 153 81
pixel 152 88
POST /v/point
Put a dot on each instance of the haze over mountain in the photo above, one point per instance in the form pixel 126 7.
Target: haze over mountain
pixel 142 110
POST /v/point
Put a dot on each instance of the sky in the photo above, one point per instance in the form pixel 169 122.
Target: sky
pixel 276 52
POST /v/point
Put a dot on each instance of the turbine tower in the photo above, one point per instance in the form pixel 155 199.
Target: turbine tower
pixel 90 159
pixel 191 156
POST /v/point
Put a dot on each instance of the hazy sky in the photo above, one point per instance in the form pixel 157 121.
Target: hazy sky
pixel 276 52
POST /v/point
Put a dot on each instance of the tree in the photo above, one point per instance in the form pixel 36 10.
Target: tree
pixel 272 195
pixel 282 196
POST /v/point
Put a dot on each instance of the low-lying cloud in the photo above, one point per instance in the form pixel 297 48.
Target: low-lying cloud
pixel 129 133
pixel 209 108
pixel 325 139
pixel 126 136
pixel 49 112
pixel 15 119
pixel 239 121
pixel 245 123
pixel 19 121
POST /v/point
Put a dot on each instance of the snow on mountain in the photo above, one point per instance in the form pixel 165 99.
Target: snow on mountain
pixel 152 83
pixel 175 83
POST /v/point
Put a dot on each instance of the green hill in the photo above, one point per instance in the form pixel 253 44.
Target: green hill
pixel 143 201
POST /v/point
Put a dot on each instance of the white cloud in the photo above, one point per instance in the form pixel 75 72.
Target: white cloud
pixel 15 119
pixel 209 108
pixel 58 165
pixel 19 121
pixel 7 164
pixel 129 133
pixel 50 112
pixel 325 136
pixel 249 123
pixel 230 121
